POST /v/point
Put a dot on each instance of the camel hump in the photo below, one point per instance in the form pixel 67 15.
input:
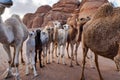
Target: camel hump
pixel 16 16
pixel 14 20
pixel 104 11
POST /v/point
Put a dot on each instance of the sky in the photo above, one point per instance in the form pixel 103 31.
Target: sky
pixel 21 7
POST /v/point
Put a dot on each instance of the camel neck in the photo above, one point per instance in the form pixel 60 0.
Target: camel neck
pixel 6 36
pixel 3 37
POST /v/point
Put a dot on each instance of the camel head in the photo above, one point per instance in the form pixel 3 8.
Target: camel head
pixel 82 21
pixel 32 34
pixel 57 24
pixel 66 27
pixel 4 4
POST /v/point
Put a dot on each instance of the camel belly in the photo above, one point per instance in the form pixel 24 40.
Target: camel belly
pixel 10 36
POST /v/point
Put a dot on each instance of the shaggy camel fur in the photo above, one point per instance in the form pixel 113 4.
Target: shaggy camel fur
pixel 74 34
pixel 12 33
pixel 101 35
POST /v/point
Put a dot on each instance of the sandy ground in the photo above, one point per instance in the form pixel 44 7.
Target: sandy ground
pixel 56 71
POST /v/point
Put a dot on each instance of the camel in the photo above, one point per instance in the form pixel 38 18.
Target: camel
pixel 74 34
pixel 101 35
pixel 71 21
pixel 30 53
pixel 12 33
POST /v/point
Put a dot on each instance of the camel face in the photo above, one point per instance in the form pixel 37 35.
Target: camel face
pixel 66 26
pixel 3 4
pixel 57 24
pixel 32 34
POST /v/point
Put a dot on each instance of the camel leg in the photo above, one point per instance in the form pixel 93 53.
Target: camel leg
pixel 90 54
pixel 76 48
pixel 8 72
pixel 71 44
pixel 52 45
pixel 46 50
pixel 12 63
pixel 63 54
pixel 49 54
pixel 68 50
pixel 16 61
pixel 97 65
pixel 85 50
pixel 58 58
pixel 27 61
pixel 40 60
pixel 56 49
pixel 117 63
pixel 44 56
pixel 35 57
pixel 33 63
pixel 22 55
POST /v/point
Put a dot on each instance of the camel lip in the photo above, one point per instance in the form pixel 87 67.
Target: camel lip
pixel 7 4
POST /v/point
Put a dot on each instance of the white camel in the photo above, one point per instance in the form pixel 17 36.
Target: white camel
pixel 30 53
pixel 12 33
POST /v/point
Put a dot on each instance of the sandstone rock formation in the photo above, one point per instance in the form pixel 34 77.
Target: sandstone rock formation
pixel 34 20
pixel 60 11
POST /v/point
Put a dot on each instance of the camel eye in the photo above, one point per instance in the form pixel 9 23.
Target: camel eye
pixel 81 19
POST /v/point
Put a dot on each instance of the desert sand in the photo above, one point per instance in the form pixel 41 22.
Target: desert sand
pixel 56 71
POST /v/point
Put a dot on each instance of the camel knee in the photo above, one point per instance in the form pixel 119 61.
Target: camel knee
pixel 117 62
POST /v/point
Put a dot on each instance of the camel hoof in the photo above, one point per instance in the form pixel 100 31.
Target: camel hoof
pixel 65 64
pixel 12 65
pixel 82 78
pixel 69 57
pixel 23 63
pixel 71 65
pixel 92 67
pixel 73 59
pixel 53 61
pixel 48 63
pixel 77 64
pixel 41 66
pixel 7 74
pixel 35 75
pixel 17 77
pixel 27 74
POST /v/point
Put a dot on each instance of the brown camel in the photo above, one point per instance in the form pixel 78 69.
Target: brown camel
pixel 74 34
pixel 102 35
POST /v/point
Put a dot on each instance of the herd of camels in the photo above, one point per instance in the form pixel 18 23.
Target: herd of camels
pixel 103 28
